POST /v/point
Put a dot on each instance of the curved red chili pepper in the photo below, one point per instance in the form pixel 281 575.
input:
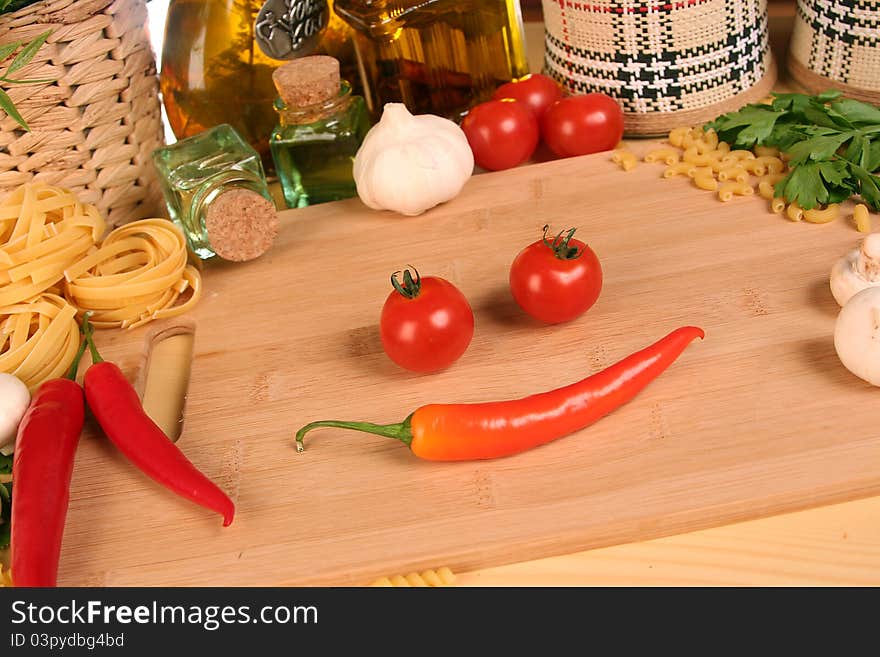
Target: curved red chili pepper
pixel 41 470
pixel 459 432
pixel 117 408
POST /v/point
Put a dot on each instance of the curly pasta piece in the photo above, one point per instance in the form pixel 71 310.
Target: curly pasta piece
pixel 679 169
pixel 137 275
pixel 730 189
pixel 437 578
pixel 705 180
pixel 626 159
pixel 668 155
pixel 794 211
pixel 38 339
pixel 861 218
pixel 822 216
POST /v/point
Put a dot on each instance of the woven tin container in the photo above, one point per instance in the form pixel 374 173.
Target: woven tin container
pixel 667 63
pixel 836 43
pixel 96 123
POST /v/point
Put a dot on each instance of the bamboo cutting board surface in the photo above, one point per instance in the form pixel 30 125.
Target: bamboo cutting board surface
pixel 758 419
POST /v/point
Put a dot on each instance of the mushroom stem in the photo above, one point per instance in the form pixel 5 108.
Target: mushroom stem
pixel 868 264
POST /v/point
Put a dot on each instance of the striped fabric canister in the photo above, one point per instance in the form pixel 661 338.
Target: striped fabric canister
pixel 836 43
pixel 667 63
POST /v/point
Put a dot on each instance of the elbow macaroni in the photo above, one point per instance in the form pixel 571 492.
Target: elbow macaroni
pixel 861 218
pixel 626 159
pixel 794 211
pixel 730 189
pixel 823 216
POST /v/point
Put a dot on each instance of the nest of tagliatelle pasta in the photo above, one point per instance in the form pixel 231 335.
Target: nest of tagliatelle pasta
pixel 56 265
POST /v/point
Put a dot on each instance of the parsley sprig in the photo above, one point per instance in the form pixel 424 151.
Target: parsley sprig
pixel 22 59
pixel 833 143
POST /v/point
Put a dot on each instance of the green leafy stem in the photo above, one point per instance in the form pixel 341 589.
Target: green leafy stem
pixel 833 145
pixel 22 59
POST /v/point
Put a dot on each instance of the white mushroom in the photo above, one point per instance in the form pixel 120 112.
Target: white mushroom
pixel 857 335
pixel 857 270
pixel 14 400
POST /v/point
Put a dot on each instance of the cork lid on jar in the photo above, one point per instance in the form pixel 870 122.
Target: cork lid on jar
pixel 241 224
pixel 307 80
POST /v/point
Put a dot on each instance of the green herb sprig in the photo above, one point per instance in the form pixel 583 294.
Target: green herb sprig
pixel 22 59
pixel 833 144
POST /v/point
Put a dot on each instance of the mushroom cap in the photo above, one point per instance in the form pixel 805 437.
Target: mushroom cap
pixel 857 335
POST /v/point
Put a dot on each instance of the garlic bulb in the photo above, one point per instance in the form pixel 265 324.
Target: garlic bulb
pixel 411 163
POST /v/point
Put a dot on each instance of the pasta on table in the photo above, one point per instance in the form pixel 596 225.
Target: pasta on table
pixel 714 166
pixel 56 264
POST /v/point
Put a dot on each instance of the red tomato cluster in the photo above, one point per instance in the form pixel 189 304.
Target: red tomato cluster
pixel 427 323
pixel 505 131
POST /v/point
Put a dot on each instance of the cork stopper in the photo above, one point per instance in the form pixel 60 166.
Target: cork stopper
pixel 307 80
pixel 241 225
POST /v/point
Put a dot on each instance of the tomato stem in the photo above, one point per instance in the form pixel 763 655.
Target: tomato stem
pixel 411 287
pixel 559 244
pixel 400 431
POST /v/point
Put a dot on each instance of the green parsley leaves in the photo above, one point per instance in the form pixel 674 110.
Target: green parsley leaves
pixel 833 145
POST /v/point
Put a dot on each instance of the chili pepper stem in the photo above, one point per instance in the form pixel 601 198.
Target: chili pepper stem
pixel 88 332
pixel 400 431
pixel 74 368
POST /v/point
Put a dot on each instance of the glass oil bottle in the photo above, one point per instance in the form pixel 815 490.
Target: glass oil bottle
pixel 216 192
pixel 435 56
pixel 321 126
pixel 215 70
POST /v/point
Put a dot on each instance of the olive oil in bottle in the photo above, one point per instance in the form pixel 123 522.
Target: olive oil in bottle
pixel 321 126
pixel 435 56
pixel 214 70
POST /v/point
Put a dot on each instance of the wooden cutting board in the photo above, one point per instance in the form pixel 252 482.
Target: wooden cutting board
pixel 758 419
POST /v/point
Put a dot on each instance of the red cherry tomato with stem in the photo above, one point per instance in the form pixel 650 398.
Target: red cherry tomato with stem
pixel 556 280
pixel 579 125
pixel 426 323
pixel 537 91
pixel 501 133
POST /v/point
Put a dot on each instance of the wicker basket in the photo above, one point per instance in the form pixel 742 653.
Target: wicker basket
pixel 836 43
pixel 92 129
pixel 667 63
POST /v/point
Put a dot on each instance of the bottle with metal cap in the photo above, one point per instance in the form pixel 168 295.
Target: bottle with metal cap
pixel 216 191
pixel 218 57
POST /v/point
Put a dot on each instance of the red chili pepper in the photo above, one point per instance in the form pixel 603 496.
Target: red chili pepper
pixel 41 470
pixel 461 432
pixel 117 408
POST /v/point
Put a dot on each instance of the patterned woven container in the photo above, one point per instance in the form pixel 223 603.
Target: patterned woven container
pixel 94 127
pixel 836 43
pixel 667 63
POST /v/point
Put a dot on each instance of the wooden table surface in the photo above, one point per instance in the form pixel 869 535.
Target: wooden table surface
pixel 837 545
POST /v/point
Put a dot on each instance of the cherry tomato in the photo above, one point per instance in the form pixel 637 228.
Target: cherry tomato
pixel 579 125
pixel 502 133
pixel 535 90
pixel 556 280
pixel 426 324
